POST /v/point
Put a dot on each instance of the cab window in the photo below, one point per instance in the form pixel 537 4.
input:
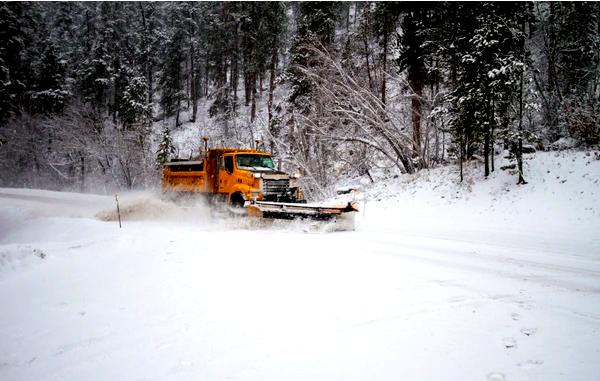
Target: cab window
pixel 254 161
pixel 229 164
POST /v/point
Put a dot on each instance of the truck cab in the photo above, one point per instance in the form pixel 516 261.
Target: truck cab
pixel 245 175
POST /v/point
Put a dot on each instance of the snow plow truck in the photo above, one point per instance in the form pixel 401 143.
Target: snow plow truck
pixel 246 180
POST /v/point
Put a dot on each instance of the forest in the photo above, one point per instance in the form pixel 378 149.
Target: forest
pixel 92 94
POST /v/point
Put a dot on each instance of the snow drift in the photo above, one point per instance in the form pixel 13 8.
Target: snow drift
pixel 151 206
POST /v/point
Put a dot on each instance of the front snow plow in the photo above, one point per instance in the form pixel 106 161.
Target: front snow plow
pixel 291 211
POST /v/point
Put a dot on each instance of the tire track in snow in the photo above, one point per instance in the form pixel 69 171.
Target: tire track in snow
pixel 478 252
pixel 520 270
pixel 46 199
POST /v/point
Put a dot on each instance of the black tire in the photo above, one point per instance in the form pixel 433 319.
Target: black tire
pixel 237 200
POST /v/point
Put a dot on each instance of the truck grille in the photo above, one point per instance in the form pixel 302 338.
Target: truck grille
pixel 275 186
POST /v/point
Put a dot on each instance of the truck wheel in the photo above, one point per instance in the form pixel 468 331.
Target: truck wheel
pixel 237 200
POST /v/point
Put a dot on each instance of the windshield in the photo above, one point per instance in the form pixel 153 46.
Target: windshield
pixel 255 161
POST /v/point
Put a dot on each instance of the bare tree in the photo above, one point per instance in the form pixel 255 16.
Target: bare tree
pixel 349 115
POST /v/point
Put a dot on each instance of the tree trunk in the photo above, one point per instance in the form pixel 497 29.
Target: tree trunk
pixel 188 83
pixel 193 84
pixel 519 148
pixel 348 19
pixel 443 127
pixel 247 86
pixel 253 93
pixel 150 77
pixel 114 99
pixel 206 76
pixel 365 14
pixel 82 170
pixel 486 144
pixel 235 68
pixel 368 66
pixel 272 73
pixel 233 82
pixel 416 108
pixel 146 47
pixel 554 94
pixel 385 54
pixel 462 158
pixel 492 124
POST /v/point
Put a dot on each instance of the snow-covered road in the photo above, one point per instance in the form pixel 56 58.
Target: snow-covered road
pixel 190 298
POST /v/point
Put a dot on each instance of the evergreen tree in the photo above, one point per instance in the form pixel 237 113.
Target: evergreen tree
pixel 274 28
pixel 49 93
pixel 316 25
pixel 579 61
pixel 95 71
pixel 385 18
pixel 171 82
pixel 165 148
pixel 133 106
pixel 16 35
pixel 418 43
pixel 488 77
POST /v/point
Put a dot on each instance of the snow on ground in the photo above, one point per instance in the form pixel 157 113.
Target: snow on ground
pixel 483 280
pixel 558 207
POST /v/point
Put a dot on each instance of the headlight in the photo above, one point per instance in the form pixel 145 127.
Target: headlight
pixel 257 175
pixel 296 176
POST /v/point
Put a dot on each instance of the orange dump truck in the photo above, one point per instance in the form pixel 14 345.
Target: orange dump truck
pixel 245 178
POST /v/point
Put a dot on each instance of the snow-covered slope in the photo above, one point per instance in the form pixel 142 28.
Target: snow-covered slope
pixel 558 208
pixel 483 280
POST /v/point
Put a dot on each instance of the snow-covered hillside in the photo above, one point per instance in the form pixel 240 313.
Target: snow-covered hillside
pixel 483 280
pixel 558 207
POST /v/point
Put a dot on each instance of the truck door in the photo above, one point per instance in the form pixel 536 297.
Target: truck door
pixel 226 176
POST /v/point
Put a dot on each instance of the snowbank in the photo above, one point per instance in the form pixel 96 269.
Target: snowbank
pixel 558 206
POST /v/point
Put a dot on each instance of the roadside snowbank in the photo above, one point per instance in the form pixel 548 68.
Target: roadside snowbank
pixel 557 208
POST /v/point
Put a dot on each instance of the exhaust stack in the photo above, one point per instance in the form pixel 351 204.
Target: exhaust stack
pixel 205 139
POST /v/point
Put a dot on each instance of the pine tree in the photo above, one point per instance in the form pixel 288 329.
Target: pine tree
pixel 165 148
pixel 95 76
pixel 579 60
pixel 49 93
pixel 171 82
pixel 418 44
pixel 385 18
pixel 316 25
pixel 221 60
pixel 274 29
pixel 16 33
pixel 488 77
pixel 133 107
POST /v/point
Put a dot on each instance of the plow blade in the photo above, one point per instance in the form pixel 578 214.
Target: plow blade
pixel 290 211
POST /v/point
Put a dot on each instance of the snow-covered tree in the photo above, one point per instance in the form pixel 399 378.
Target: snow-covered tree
pixel 165 148
pixel 488 77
